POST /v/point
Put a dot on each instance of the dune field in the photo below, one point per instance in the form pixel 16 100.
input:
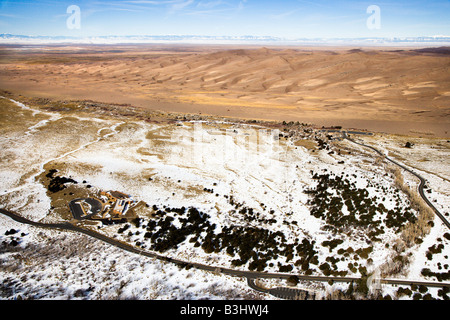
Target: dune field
pixel 404 91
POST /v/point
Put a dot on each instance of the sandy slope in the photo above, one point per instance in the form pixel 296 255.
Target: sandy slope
pixel 401 91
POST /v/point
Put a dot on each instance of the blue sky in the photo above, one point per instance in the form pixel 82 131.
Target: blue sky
pixel 287 19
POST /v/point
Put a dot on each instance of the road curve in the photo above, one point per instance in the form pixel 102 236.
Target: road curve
pixel 422 180
pixel 250 275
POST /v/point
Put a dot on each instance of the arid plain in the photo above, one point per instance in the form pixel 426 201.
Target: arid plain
pixel 395 90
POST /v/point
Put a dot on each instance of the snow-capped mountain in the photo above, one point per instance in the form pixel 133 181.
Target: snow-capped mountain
pixel 205 39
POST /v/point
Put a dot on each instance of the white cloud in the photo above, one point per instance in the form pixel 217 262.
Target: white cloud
pixel 151 2
pixel 181 5
pixel 283 15
pixel 209 4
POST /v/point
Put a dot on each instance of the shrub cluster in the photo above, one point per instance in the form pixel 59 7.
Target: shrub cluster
pixel 331 244
pixel 57 183
pixel 440 276
pixel 250 245
pixel 434 249
pixel 249 214
pixel 362 210
pixel 14 240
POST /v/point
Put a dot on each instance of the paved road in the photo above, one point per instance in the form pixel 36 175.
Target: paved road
pixel 250 275
pixel 422 180
pixel 285 293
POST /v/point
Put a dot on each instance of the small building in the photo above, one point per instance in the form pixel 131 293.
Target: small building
pixel 120 202
pixel 113 196
pixel 121 206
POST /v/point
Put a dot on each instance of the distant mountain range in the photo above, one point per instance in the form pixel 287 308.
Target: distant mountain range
pixel 193 39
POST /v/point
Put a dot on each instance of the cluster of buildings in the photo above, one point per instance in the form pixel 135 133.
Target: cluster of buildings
pixel 113 205
pixel 116 204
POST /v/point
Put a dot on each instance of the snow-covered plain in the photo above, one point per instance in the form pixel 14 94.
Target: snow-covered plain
pixel 49 264
pixel 199 164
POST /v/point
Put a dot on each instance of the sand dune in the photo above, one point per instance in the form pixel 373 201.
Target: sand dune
pixel 323 86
